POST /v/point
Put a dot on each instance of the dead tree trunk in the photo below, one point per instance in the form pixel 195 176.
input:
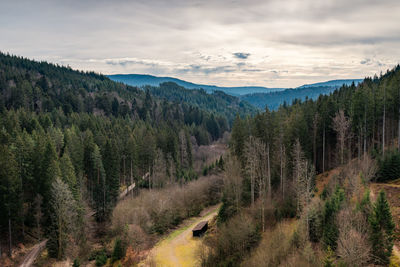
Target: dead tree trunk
pixel 398 137
pixel 384 120
pixel 323 150
pixel 9 230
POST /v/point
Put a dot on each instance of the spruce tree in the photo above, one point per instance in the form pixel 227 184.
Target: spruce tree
pixel 382 228
pixel 111 168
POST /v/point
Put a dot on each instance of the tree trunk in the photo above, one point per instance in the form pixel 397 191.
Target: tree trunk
pixel 123 175
pixel 131 178
pixel 9 230
pixel 398 137
pixel 384 118
pixel 323 150
pixel 315 128
pixel 282 177
pixel 365 129
pixel 269 174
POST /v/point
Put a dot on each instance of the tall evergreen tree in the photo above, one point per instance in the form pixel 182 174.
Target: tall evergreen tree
pixel 382 230
pixel 111 167
pixel 10 186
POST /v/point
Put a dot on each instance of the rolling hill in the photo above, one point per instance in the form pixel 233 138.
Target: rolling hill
pixel 141 80
pixel 257 96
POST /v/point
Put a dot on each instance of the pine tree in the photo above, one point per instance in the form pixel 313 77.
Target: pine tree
pixel 111 167
pixel 68 174
pixel 10 182
pixel 330 233
pixel 99 184
pixel 118 252
pixel 238 138
pixel 382 230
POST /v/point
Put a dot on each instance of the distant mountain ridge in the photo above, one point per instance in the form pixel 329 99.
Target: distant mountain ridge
pixel 332 83
pixel 140 80
pixel 257 96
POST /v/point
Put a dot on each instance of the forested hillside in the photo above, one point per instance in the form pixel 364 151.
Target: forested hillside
pixel 216 101
pixel 272 176
pixel 141 80
pixel 70 140
pixel 273 100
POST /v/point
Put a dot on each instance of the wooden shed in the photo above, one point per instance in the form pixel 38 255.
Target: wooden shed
pixel 200 228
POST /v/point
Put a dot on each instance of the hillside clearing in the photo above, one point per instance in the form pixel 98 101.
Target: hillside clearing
pixel 179 248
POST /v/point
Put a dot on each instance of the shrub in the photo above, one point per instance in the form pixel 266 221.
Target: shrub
pixel 330 233
pixel 232 242
pixel 118 252
pixel 162 209
pixel 101 258
pixel 389 167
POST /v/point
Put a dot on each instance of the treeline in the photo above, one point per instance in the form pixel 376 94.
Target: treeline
pixel 71 140
pixel 217 101
pixel 271 174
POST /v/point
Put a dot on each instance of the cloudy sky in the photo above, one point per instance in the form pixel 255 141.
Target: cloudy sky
pixel 273 43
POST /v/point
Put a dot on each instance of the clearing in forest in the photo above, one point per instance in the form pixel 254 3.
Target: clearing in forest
pixel 179 248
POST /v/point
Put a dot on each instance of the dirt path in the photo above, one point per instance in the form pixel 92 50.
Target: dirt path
pixel 30 258
pixel 179 248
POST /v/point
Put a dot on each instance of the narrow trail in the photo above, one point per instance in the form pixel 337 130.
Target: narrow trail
pixel 179 248
pixel 31 256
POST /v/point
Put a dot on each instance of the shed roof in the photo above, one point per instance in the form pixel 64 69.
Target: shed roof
pixel 200 226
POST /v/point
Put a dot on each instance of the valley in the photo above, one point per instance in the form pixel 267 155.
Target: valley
pixel 206 133
pixel 99 173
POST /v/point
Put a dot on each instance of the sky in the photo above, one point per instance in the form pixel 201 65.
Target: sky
pixel 272 43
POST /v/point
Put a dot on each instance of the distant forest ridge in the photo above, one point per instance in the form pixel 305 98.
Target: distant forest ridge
pixel 257 96
pixel 143 80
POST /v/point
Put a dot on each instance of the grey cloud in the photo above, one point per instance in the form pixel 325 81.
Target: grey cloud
pixel 335 39
pixel 371 61
pixel 125 62
pixel 206 69
pixel 241 55
pixel 366 61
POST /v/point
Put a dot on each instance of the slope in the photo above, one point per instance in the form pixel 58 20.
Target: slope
pixel 142 80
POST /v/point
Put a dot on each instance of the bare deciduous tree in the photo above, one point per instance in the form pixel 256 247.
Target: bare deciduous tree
pixel 233 179
pixel 159 170
pixel 303 173
pixel 353 245
pixel 183 148
pixel 315 130
pixel 341 126
pixel 252 162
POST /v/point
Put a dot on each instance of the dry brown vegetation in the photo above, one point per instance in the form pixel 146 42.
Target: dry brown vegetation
pixel 231 242
pixel 206 155
pixel 138 220
pixel 353 246
pixel 284 245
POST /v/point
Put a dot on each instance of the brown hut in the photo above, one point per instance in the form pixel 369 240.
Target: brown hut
pixel 200 228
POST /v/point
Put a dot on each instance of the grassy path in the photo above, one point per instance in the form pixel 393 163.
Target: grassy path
pixel 179 248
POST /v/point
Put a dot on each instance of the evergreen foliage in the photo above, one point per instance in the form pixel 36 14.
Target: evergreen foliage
pixel 118 252
pixel 389 167
pixel 330 232
pixel 382 230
